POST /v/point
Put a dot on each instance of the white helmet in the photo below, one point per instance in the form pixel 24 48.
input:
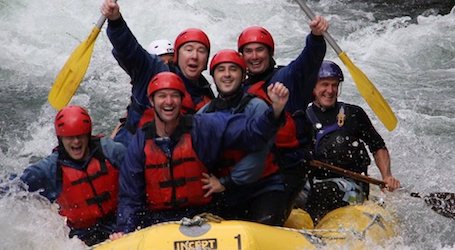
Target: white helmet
pixel 160 47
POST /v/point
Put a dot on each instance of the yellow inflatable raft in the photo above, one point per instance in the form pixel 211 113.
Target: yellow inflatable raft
pixel 350 226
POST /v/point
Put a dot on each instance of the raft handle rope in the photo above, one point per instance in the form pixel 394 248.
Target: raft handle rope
pixel 315 234
pixel 200 219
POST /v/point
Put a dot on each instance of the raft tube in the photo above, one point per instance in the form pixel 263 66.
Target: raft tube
pixel 354 227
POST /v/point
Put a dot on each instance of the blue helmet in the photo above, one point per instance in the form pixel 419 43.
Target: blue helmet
pixel 330 69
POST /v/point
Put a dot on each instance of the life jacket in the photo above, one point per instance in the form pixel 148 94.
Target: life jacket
pixel 232 157
pixel 88 195
pixel 286 136
pixel 174 182
pixel 190 107
pixel 335 144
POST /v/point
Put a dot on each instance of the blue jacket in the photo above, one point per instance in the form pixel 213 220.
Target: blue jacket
pixel 299 76
pixel 250 168
pixel 43 175
pixel 211 133
pixel 142 67
pixel 244 181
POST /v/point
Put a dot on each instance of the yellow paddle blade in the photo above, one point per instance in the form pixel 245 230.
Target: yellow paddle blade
pixel 73 71
pixel 371 95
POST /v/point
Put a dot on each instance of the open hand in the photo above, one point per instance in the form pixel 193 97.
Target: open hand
pixel 211 184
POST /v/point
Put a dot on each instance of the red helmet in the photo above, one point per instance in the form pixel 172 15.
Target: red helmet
pixel 255 34
pixel 73 121
pixel 190 35
pixel 166 80
pixel 227 56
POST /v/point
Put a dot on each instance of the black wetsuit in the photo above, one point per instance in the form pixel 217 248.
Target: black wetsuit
pixel 343 146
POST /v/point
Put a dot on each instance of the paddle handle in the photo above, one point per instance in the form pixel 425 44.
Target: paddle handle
pixel 345 172
pixel 100 22
pixel 326 35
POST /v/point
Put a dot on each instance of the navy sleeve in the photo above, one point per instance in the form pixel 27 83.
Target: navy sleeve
pixel 214 132
pixel 43 176
pixel 367 132
pixel 134 59
pixel 132 185
pixel 250 168
pixel 250 134
pixel 300 75
pixel 114 151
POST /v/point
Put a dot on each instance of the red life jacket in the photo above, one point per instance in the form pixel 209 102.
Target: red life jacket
pixel 188 107
pixel 176 182
pixel 286 136
pixel 88 195
pixel 147 116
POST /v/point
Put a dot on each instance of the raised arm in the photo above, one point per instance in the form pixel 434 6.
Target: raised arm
pixel 130 55
pixel 214 132
pixel 300 75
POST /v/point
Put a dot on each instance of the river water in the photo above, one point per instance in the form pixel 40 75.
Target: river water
pixel 407 50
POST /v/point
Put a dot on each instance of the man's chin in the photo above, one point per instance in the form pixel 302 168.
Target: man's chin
pixel 256 69
pixel 226 91
pixel 328 105
pixel 255 72
pixel 170 118
pixel 76 156
pixel 192 75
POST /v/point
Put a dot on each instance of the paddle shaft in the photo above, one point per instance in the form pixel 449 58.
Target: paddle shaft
pixel 326 35
pixel 100 22
pixel 345 172
pixel 442 203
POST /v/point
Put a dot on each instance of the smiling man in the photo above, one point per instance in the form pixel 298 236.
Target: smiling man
pixel 258 48
pixel 238 174
pixel 80 175
pixel 341 132
pixel 161 178
pixel 192 49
